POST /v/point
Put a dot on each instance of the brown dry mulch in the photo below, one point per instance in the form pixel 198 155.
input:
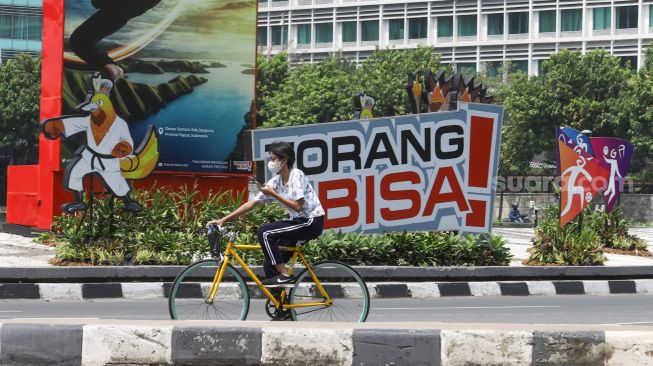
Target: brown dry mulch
pixel 526 262
pixel 58 262
pixel 638 253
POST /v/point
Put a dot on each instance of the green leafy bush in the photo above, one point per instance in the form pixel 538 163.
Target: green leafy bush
pixel 612 229
pixel 410 249
pixel 171 231
pixel 566 245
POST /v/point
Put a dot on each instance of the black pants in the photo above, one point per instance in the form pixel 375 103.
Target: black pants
pixel 285 233
pixel 111 16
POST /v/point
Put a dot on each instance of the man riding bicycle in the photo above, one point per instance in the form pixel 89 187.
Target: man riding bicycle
pixel 291 189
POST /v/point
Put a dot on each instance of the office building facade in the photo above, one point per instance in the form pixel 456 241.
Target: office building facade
pixel 20 27
pixel 472 35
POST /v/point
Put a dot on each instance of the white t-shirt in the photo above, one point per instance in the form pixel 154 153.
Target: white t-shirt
pixel 297 188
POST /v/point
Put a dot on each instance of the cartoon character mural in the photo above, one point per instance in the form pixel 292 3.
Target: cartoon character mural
pixel 363 106
pixel 583 173
pixel 438 92
pixel 109 148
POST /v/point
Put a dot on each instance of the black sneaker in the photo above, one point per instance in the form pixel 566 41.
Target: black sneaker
pixel 280 281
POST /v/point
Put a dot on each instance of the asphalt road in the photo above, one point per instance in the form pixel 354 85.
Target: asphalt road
pixel 613 309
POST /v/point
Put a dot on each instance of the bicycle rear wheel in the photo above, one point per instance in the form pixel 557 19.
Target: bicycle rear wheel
pixel 189 293
pixel 345 287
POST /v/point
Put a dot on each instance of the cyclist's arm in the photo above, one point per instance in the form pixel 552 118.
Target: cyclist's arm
pixel 296 205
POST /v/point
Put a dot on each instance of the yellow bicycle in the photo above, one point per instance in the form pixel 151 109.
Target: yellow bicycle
pixel 213 289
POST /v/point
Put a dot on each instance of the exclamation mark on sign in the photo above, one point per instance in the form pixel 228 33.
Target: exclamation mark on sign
pixel 480 150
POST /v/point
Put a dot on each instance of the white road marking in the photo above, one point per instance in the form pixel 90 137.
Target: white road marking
pixel 472 307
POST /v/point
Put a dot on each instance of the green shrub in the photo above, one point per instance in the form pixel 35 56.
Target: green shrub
pixel 612 229
pixel 553 244
pixel 171 231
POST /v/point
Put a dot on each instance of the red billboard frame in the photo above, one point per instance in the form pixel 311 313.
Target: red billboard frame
pixel 35 192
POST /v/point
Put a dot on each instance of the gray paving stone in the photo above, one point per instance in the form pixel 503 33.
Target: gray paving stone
pixel 216 346
pixel 568 348
pixel 36 345
pixel 396 347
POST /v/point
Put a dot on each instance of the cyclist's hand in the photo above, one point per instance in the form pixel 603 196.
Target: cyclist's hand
pixel 267 190
pixel 219 222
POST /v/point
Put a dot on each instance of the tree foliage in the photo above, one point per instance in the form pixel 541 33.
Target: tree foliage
pixel 637 109
pixel 322 92
pixel 591 91
pixel 20 88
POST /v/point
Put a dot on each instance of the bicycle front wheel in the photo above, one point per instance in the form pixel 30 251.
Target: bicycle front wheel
pixel 189 294
pixel 350 299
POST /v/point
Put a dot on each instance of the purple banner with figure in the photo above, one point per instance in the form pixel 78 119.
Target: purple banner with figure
pixel 616 153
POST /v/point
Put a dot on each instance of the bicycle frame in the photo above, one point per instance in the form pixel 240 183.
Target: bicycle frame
pixel 231 252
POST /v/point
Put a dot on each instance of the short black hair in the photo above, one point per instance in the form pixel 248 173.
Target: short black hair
pixel 284 151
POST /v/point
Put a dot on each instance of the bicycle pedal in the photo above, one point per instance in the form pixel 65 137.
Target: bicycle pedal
pixel 283 316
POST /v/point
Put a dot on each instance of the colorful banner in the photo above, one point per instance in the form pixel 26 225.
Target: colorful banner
pixel 186 68
pixel 587 166
pixel 432 171
pixel 616 154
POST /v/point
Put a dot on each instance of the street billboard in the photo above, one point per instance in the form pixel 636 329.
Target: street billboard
pixel 432 171
pixel 185 67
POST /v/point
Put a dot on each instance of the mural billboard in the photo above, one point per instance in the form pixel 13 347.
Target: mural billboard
pixel 588 166
pixel 184 67
pixel 431 171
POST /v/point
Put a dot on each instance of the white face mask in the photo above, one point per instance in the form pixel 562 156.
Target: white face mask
pixel 274 166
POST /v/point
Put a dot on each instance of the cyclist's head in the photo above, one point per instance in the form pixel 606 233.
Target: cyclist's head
pixel 283 150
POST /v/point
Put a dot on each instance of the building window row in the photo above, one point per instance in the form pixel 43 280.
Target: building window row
pixel 20 27
pixel 571 20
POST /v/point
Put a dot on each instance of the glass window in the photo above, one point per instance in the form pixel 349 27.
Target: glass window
pixel 571 20
pixel 445 26
pixel 349 31
pixel 492 69
pixel 540 68
pixel 304 34
pixel 396 29
pixel 494 24
pixel 34 28
pixel 520 66
pixel 279 35
pixel 5 26
pixel 20 27
pixel 629 61
pixel 547 21
pixel 262 36
pixel 518 23
pixel 602 18
pixel 650 15
pixel 466 68
pixel 466 25
pixel 324 33
pixel 417 28
pixel 370 30
pixel 626 17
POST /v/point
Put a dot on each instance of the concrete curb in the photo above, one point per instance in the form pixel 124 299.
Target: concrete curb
pixel 89 274
pixel 220 343
pixel 418 290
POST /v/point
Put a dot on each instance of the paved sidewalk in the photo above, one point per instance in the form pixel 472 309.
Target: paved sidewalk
pixel 19 251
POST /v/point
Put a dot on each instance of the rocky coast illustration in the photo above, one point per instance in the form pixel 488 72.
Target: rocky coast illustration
pixel 188 70
pixel 133 100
